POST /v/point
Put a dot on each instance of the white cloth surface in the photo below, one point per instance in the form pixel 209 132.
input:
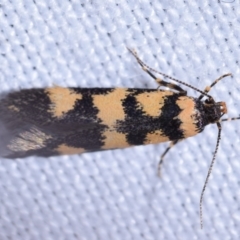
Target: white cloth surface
pixel 117 194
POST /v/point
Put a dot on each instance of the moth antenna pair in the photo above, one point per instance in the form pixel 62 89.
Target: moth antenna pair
pixel 204 93
pixel 78 120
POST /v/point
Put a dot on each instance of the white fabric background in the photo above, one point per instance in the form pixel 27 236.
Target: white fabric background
pixel 116 194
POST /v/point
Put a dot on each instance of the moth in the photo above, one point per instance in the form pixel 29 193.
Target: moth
pixel 56 121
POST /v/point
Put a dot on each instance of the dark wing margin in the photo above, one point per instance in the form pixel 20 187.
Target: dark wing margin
pixel 48 122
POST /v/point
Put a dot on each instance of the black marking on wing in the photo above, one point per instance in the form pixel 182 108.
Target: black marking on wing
pixel 31 109
pixel 138 124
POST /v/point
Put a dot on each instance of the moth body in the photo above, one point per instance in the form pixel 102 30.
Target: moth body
pixel 57 121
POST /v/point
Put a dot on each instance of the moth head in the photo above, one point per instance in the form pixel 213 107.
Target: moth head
pixel 214 110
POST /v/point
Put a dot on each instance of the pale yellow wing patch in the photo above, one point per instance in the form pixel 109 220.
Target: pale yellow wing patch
pixel 62 100
pixel 152 102
pixel 110 106
pixel 187 116
pixel 114 140
pixel 64 149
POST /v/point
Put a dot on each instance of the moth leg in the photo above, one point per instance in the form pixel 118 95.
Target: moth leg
pixel 208 88
pixel 163 83
pixel 163 155
pixel 158 80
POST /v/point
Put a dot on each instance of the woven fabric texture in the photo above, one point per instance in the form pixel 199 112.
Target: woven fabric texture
pixel 117 194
